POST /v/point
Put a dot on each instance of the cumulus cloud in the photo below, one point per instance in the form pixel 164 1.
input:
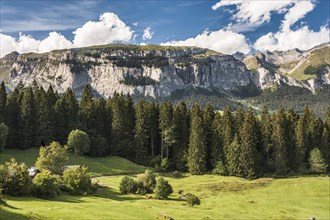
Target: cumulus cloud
pixel 256 12
pixel 109 29
pixel 303 38
pixel 224 41
pixel 147 34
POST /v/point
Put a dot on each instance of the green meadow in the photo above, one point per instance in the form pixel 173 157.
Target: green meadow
pixel 296 197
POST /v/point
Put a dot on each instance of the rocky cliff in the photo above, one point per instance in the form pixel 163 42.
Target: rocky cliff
pixel 158 71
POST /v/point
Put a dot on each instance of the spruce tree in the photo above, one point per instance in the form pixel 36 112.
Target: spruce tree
pixel 233 158
pixel 281 142
pixel 266 128
pixel 3 101
pixel 249 137
pixel 217 154
pixel 165 122
pixel 29 118
pixel 142 134
pixel 228 130
pixel 208 117
pixel 197 143
pixel 154 127
pixel 181 124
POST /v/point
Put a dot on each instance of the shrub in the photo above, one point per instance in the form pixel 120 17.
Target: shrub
pixel 176 174
pixel 15 179
pixel 146 182
pixel 220 169
pixel 52 158
pixel 317 162
pixel 155 161
pixel 127 185
pixel 165 164
pixel 163 189
pixel 192 200
pixel 77 181
pixel 45 185
pixel 79 142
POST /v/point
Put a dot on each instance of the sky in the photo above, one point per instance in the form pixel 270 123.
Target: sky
pixel 226 26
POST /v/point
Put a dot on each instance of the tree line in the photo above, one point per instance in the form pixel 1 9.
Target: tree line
pixel 166 135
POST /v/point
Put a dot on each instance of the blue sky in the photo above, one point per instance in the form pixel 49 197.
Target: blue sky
pixel 171 22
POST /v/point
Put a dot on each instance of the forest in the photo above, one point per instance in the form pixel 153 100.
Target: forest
pixel 168 136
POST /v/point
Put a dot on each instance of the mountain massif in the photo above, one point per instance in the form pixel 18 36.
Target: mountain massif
pixel 163 72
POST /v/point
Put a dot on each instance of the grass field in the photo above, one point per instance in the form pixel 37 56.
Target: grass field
pixel 97 166
pixel 221 198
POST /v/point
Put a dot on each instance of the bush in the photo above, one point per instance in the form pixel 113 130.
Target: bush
pixel 52 158
pixel 163 189
pixel 127 185
pixel 165 164
pixel 45 185
pixel 15 179
pixel 317 162
pixel 77 181
pixel 79 142
pixel 146 182
pixel 220 169
pixel 192 200
pixel 176 174
pixel 155 161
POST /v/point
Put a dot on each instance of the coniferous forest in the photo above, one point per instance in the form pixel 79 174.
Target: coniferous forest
pixel 166 136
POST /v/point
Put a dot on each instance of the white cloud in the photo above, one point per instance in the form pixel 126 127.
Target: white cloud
pixel 223 41
pixel 147 34
pixel 255 12
pixel 297 12
pixel 135 24
pixel 303 38
pixel 109 29
pixel 54 41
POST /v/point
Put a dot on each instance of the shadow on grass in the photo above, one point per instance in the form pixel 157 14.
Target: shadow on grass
pixel 107 193
pixel 295 175
pixel 7 214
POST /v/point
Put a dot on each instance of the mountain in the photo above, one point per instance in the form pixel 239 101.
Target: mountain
pixel 174 73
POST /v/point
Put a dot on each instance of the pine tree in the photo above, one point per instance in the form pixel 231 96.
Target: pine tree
pixel 267 146
pixel 13 120
pixel 233 158
pixel 197 143
pixel 217 154
pixel 228 129
pixel 154 127
pixel 29 118
pixel 281 142
pixel 3 101
pixel 301 142
pixel 46 118
pixel 86 105
pixel 142 134
pixel 208 117
pixel 181 124
pixel 165 122
pixel 249 138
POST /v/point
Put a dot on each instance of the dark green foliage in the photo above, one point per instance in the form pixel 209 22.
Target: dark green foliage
pixel 166 127
pixel 163 189
pixel 317 162
pixel 138 80
pixel 208 117
pixel 15 180
pixel 78 181
pixel 99 146
pixel 45 185
pixel 192 200
pixel 128 185
pixel 233 158
pixel 52 158
pixel 4 130
pixel 318 70
pixel 146 182
pixel 220 169
pixel 3 101
pixel 79 142
pixel 197 151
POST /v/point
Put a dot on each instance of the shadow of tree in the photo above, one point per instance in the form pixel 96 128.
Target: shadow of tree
pixel 7 214
pixel 107 193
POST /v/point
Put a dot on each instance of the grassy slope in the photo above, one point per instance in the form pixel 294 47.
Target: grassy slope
pixel 221 197
pixel 98 166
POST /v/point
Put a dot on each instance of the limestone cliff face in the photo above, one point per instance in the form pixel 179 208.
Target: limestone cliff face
pixel 158 71
pixel 136 71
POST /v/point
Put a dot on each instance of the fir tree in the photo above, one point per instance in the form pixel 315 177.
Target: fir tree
pixel 197 143
pixel 208 117
pixel 3 101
